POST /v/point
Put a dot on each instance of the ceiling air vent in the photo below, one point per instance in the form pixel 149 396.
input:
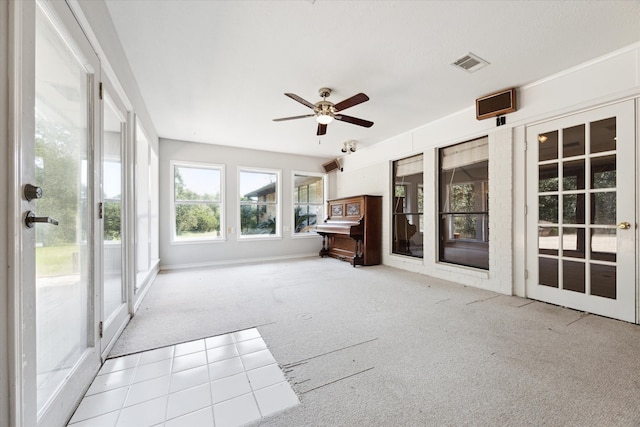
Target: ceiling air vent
pixel 470 63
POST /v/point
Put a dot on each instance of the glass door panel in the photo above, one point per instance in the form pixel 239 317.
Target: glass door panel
pixel 577 256
pixel 114 295
pixel 112 208
pixel 65 357
pixel 62 253
pixel 142 209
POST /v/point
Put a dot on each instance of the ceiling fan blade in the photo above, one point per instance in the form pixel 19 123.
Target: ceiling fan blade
pixel 293 118
pixel 353 120
pixel 322 129
pixel 300 100
pixel 350 102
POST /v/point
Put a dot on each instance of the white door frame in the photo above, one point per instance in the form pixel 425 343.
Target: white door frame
pixel 114 325
pixel 637 218
pixel 21 300
pixel 625 306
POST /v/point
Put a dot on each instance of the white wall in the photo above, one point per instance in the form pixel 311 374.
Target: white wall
pixel 231 250
pixel 105 40
pixel 607 79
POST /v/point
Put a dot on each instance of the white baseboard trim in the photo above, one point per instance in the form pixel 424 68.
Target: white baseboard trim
pixel 233 262
pixel 146 285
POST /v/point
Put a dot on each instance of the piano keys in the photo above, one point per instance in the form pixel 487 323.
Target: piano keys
pixel 352 231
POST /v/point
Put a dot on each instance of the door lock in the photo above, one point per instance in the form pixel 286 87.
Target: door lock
pixel 30 219
pixel 32 192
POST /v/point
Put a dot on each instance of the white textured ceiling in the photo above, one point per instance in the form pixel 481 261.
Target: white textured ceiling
pixel 216 71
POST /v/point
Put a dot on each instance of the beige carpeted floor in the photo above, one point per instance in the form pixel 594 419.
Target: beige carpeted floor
pixel 376 346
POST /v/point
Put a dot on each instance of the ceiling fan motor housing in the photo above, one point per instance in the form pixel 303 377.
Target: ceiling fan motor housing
pixel 324 107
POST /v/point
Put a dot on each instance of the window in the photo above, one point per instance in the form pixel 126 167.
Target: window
pixel 408 209
pixel 464 204
pixel 308 202
pixel 197 201
pixel 259 202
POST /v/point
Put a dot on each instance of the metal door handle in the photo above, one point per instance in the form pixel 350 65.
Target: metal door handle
pixel 624 225
pixel 30 219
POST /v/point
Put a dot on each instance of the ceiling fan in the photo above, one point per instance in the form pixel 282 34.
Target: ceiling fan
pixel 325 111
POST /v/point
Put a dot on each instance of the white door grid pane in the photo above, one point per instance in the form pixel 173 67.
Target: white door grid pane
pixel 581 212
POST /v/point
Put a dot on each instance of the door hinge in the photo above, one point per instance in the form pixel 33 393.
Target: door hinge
pixel 525 146
pixel 100 90
pixel 100 327
pixel 100 210
pixel 526 274
pixel 526 210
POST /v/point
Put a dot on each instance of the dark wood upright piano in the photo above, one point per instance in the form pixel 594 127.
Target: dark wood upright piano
pixel 353 230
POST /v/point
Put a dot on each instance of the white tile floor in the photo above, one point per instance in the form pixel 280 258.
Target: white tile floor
pixel 227 380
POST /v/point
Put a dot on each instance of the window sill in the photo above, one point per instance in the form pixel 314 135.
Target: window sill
pixel 462 269
pixel 408 258
pixel 197 241
pixel 257 238
pixel 305 235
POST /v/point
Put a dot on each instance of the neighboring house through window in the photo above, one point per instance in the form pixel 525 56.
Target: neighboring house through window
pixel 259 202
pixel 308 202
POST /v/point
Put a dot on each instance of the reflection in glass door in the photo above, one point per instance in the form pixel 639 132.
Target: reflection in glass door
pixel 63 252
pixel 584 221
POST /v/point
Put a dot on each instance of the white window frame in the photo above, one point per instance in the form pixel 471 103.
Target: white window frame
pixel 421 220
pixel 278 203
pixel 175 239
pixel 323 204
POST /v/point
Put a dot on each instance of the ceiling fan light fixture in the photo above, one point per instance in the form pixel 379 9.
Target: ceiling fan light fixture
pixel 324 118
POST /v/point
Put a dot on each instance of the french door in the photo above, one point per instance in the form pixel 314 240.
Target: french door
pixel 581 219
pixel 59 233
pixel 114 307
